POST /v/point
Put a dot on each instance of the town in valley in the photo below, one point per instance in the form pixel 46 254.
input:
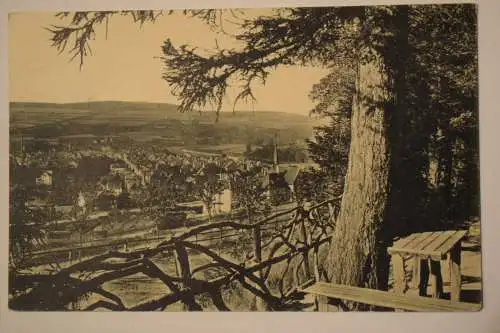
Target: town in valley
pixel 91 189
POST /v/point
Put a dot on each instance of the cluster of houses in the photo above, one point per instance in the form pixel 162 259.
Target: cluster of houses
pixel 135 168
pixel 278 180
pixel 138 167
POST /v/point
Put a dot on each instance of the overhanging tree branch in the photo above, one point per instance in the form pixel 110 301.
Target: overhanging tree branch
pixel 289 37
pixel 82 25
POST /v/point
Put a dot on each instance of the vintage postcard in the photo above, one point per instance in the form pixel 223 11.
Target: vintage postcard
pixel 297 159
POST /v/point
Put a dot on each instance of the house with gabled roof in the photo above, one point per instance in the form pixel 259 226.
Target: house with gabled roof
pixel 45 178
pixel 280 180
pixel 281 185
pixel 114 184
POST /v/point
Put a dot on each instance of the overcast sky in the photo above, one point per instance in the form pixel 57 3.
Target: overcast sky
pixel 123 66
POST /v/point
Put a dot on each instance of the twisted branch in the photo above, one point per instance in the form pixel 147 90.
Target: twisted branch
pixel 63 288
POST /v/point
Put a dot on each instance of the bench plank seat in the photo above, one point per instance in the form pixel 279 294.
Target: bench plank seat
pixel 433 245
pixel 388 299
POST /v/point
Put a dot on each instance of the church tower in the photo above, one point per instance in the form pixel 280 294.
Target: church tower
pixel 275 155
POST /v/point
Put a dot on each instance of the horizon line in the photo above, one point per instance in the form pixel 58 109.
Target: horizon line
pixel 307 113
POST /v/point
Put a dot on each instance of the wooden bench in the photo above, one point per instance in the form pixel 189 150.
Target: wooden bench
pixel 428 249
pixel 330 297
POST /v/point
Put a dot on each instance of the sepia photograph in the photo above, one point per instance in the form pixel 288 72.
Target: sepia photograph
pixel 287 159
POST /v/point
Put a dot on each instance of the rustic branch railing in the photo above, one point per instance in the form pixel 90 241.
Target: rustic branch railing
pixel 294 244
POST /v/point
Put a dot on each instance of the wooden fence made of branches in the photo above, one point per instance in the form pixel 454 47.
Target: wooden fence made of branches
pixel 270 261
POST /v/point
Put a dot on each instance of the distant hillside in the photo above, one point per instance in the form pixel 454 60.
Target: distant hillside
pixel 145 121
pixel 161 109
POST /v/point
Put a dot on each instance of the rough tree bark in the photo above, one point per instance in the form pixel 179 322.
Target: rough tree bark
pixel 357 254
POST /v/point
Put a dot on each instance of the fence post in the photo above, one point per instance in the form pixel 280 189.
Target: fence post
pixel 331 211
pixel 257 244
pixel 177 265
pixel 220 241
pixel 317 277
pixel 259 302
pixel 307 271
pixel 182 262
pixel 184 271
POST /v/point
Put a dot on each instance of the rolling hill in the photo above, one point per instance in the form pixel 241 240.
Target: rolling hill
pixel 148 121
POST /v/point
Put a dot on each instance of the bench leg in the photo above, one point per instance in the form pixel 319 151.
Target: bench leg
pixel 399 274
pixel 436 279
pixel 322 303
pixel 424 277
pixel 415 280
pixel 325 306
pixel 455 274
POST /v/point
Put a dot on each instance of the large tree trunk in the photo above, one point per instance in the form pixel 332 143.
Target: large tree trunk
pixel 354 242
pixel 357 254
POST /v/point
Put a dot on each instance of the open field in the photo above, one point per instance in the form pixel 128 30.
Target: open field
pixel 148 121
